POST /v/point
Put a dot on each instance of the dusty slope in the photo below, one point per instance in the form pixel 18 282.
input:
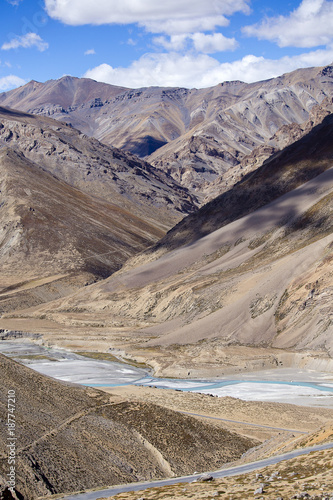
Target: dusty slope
pixel 196 135
pixel 82 208
pixel 310 474
pixel 51 230
pixel 263 280
pixel 71 438
pixel 282 172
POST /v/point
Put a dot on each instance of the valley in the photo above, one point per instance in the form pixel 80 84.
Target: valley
pixel 166 282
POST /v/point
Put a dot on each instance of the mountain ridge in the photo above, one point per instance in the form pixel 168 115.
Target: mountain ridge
pixel 72 209
pixel 196 135
pixel 87 164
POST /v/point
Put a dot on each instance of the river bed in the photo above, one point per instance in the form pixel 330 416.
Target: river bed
pixel 285 385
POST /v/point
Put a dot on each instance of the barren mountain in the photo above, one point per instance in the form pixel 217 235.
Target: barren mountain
pixel 75 210
pixel 196 135
pixel 52 233
pixel 252 268
pixel 284 171
pixel 70 438
pixel 106 172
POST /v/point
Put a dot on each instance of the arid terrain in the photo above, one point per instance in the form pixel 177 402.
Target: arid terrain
pixel 245 281
pixel 73 209
pixel 65 429
pixel 198 243
pixel 309 477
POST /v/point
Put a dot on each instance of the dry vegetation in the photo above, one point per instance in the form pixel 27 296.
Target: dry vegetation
pixel 308 477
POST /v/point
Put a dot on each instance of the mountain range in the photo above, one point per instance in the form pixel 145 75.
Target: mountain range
pixel 201 137
pixel 188 229
pixel 76 210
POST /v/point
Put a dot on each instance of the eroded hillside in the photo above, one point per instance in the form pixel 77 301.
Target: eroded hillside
pixel 72 209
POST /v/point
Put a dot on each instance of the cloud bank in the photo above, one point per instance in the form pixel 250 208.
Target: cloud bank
pixel 310 25
pixel 173 16
pixel 188 32
pixel 176 70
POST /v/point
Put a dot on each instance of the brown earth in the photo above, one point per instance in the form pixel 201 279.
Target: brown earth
pixel 70 438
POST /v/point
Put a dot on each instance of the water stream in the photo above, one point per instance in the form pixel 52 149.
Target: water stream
pixel 280 385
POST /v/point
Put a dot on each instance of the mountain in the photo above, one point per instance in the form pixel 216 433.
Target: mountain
pixel 99 170
pixel 245 282
pixel 284 171
pixel 72 209
pixel 54 233
pixel 58 97
pixel 195 135
pixel 71 438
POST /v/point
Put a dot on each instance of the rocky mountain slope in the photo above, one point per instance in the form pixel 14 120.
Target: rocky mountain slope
pixel 95 168
pixel 251 268
pixel 72 209
pixel 284 171
pixel 235 118
pixel 71 438
pixel 196 135
pixel 52 231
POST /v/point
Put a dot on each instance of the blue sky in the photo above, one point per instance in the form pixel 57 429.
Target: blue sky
pixel 137 43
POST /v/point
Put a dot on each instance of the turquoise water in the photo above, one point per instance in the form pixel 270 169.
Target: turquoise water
pixel 199 385
pixel 310 389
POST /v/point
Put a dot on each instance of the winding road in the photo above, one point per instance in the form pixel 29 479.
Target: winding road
pixel 232 471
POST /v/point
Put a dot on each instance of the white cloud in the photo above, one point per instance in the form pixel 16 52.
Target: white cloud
pixel 172 16
pixel 6 63
pixel 14 2
pixel 189 25
pixel 208 44
pixel 10 82
pixel 216 42
pixel 90 52
pixel 26 41
pixel 175 42
pixel 176 70
pixel 310 25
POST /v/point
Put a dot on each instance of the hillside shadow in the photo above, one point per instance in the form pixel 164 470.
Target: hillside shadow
pixel 282 173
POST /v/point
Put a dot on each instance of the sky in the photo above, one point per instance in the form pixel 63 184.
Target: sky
pixel 174 43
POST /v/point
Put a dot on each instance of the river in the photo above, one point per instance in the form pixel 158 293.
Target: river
pixel 303 387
